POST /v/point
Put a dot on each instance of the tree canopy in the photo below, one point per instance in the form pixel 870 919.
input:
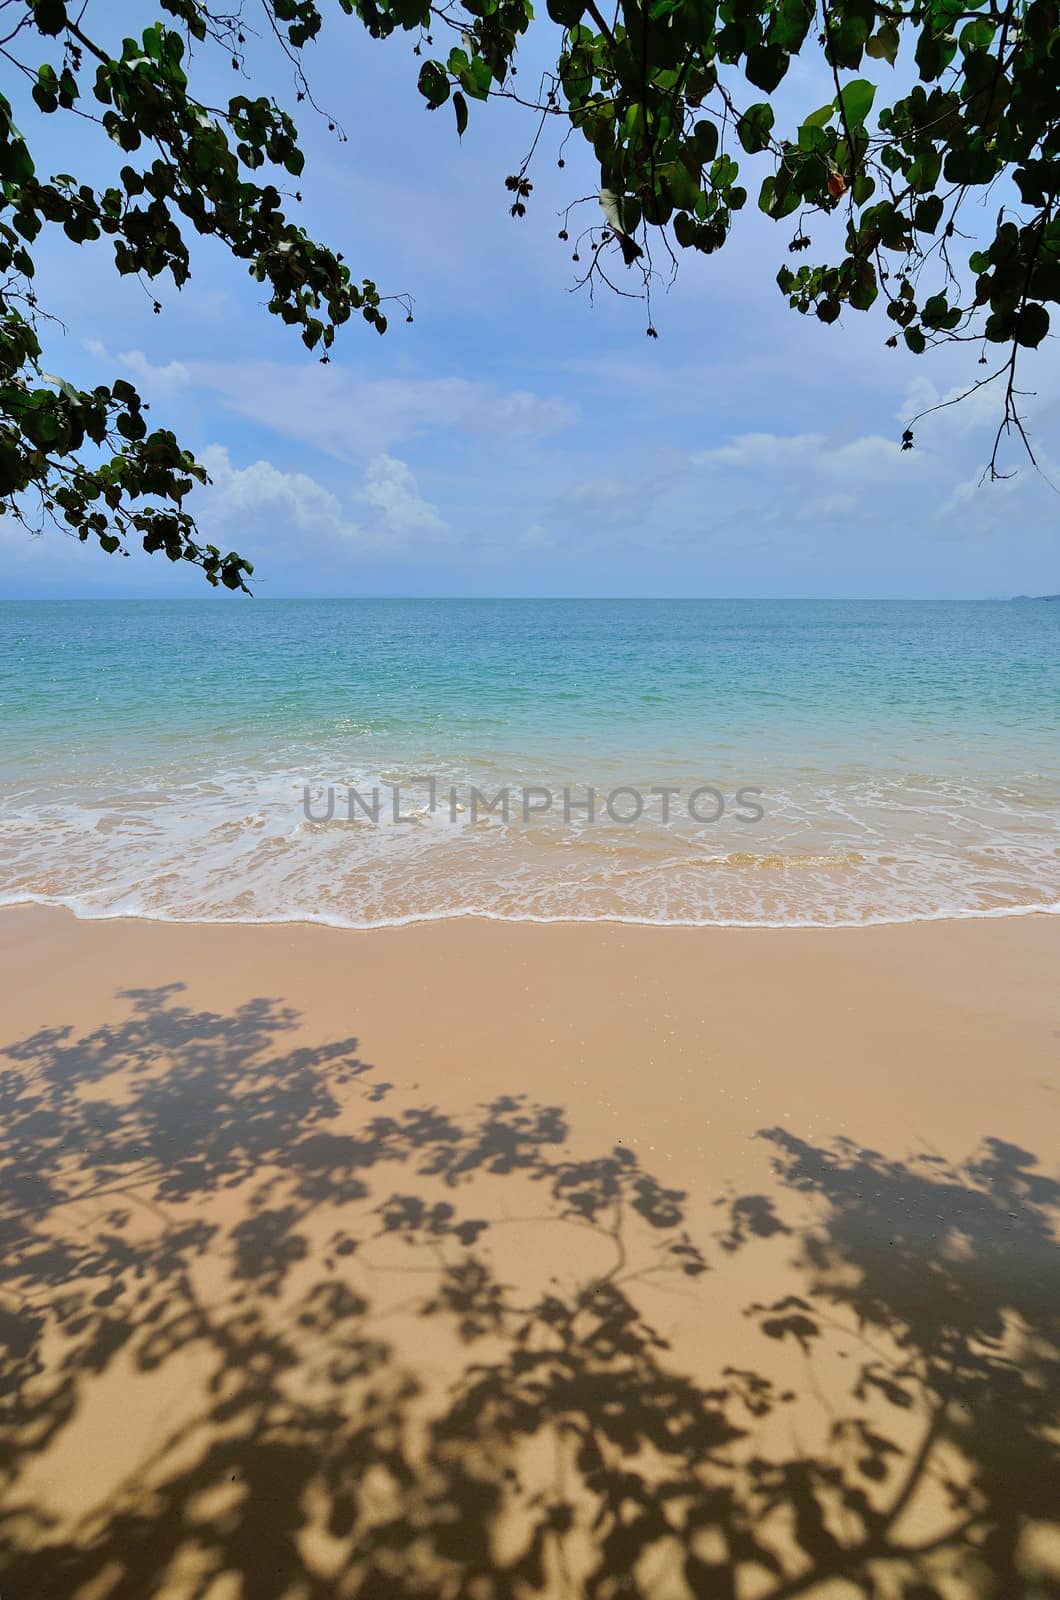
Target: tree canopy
pixel 937 105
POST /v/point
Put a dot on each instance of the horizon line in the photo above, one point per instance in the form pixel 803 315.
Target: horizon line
pixel 682 599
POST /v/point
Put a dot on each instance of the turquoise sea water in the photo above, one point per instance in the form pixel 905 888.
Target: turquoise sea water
pixel 154 758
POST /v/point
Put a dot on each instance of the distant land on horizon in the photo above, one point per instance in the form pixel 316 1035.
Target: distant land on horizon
pixel 1036 597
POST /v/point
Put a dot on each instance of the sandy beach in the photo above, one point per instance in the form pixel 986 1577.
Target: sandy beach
pixel 530 846
pixel 472 1259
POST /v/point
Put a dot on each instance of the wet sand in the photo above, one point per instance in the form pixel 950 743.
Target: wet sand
pixel 484 1260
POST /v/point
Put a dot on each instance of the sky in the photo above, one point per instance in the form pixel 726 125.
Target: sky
pixel 516 439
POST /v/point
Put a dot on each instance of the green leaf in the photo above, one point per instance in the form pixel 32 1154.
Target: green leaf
pixel 848 41
pixel 705 140
pixel 765 66
pixel 724 171
pixel 883 45
pixel 1032 325
pixel 684 229
pixel 433 84
pixel 49 16
pixel 460 107
pixel 977 35
pixel 754 127
pixel 856 98
pixel 812 139
pixel 927 214
pixel 684 187
pixel 864 289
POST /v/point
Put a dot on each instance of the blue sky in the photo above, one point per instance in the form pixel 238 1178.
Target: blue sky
pixel 516 439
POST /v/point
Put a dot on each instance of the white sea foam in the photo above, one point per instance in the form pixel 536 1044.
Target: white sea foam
pixel 236 846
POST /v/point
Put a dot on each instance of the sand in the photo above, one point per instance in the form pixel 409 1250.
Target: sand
pixel 489 1260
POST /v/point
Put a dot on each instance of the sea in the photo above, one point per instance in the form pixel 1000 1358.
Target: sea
pixel 365 763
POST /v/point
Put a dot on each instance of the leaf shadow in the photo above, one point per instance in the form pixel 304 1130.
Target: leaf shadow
pixel 391 1349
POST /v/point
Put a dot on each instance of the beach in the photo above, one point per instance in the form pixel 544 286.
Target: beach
pixel 530 847
pixel 497 1259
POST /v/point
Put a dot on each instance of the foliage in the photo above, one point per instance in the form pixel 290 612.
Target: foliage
pixel 188 173
pixel 663 93
pixel 671 97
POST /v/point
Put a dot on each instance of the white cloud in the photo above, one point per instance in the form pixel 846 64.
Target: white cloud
pixel 134 361
pixel 350 417
pixel 259 506
pixel 347 416
pixel 390 486
pixel 814 453
pixel 521 414
pixel 265 499
pixel 141 367
pixel 870 457
pixel 760 450
pixel 962 409
pixel 813 478
pixel 976 505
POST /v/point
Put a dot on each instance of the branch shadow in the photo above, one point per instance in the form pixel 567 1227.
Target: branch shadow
pixel 269 1328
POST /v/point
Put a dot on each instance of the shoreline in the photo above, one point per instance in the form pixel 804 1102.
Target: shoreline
pixel 427 919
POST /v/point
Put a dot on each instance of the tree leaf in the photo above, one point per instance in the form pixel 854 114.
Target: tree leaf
pixel 1032 325
pixel 754 127
pixel 460 107
pixel 856 98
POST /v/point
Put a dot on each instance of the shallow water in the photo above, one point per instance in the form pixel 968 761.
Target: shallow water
pixel 155 759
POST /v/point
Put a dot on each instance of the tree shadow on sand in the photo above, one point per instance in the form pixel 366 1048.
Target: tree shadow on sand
pixel 270 1327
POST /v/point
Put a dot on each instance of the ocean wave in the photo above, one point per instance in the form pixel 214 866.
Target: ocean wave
pixel 237 846
pixel 411 919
